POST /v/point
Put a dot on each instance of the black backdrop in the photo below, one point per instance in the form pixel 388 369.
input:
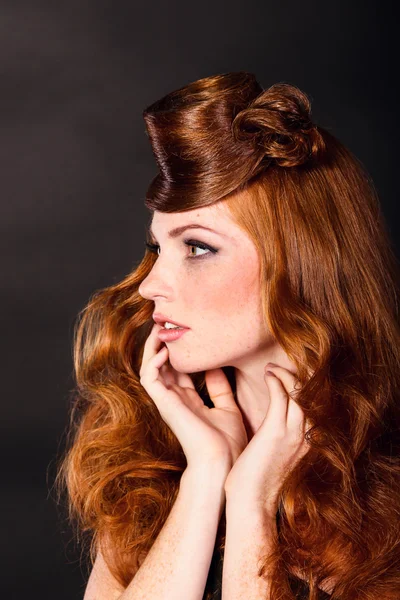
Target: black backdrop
pixel 75 166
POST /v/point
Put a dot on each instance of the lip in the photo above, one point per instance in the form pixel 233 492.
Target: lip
pixel 162 319
pixel 170 335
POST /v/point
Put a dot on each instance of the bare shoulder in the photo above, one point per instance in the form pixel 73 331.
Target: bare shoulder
pixel 101 584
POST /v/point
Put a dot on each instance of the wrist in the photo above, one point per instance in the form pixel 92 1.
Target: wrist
pixel 257 505
pixel 208 474
pixel 204 484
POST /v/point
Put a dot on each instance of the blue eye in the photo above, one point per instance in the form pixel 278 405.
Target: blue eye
pixel 190 243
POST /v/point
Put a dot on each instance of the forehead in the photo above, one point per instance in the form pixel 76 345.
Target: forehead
pixel 216 216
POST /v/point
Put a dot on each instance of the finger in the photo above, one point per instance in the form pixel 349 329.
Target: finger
pixel 167 374
pixel 277 409
pixel 219 389
pixel 296 424
pixel 154 365
pixel 151 346
pixel 295 420
pixel 183 379
pixel 288 379
pixel 171 375
pixel 150 379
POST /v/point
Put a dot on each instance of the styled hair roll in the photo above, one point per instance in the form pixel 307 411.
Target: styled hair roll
pixel 212 140
pixel 330 291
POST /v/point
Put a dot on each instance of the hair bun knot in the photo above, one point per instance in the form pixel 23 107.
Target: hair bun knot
pixel 278 124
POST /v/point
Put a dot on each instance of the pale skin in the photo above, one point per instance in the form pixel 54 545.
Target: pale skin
pixel 218 297
pixel 257 437
pixel 192 291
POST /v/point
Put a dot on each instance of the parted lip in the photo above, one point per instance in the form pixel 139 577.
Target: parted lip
pixel 162 319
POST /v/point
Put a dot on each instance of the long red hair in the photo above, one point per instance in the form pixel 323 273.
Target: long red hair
pixel 330 285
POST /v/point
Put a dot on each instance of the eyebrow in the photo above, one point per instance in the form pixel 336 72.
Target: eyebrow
pixel 174 233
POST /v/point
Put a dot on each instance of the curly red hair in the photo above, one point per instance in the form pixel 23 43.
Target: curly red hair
pixel 330 297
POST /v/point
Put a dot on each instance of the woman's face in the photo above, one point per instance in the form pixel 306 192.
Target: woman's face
pixel 214 291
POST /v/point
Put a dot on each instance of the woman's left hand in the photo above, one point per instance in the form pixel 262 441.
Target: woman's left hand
pixel 258 473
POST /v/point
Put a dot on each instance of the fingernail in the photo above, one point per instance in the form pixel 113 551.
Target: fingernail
pixel 270 373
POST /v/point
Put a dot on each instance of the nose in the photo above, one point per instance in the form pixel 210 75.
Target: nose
pixel 157 283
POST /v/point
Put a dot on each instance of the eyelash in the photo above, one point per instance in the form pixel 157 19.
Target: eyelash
pixel 196 244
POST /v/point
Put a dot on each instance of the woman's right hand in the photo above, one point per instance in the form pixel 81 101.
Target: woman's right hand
pixel 205 434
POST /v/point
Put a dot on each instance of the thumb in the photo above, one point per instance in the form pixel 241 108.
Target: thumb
pixel 219 389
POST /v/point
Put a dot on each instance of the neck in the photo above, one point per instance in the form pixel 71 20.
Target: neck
pixel 252 393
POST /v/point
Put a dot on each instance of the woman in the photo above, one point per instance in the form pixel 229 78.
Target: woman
pixel 254 448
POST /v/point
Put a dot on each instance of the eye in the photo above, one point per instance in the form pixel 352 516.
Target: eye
pixel 199 246
pixel 191 244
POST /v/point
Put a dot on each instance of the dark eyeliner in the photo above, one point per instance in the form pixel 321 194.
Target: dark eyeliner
pixel 154 247
pixel 200 245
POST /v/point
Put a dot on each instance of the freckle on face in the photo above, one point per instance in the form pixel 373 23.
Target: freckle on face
pixel 218 297
pixel 221 301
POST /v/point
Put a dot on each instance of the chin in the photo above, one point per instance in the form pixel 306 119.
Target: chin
pixel 190 364
pixel 185 366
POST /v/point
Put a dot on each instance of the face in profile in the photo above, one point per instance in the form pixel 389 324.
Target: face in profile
pixel 209 282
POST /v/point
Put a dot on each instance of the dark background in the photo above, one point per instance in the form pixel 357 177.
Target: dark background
pixel 75 166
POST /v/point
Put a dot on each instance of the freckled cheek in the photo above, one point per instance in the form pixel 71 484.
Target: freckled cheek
pixel 222 296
